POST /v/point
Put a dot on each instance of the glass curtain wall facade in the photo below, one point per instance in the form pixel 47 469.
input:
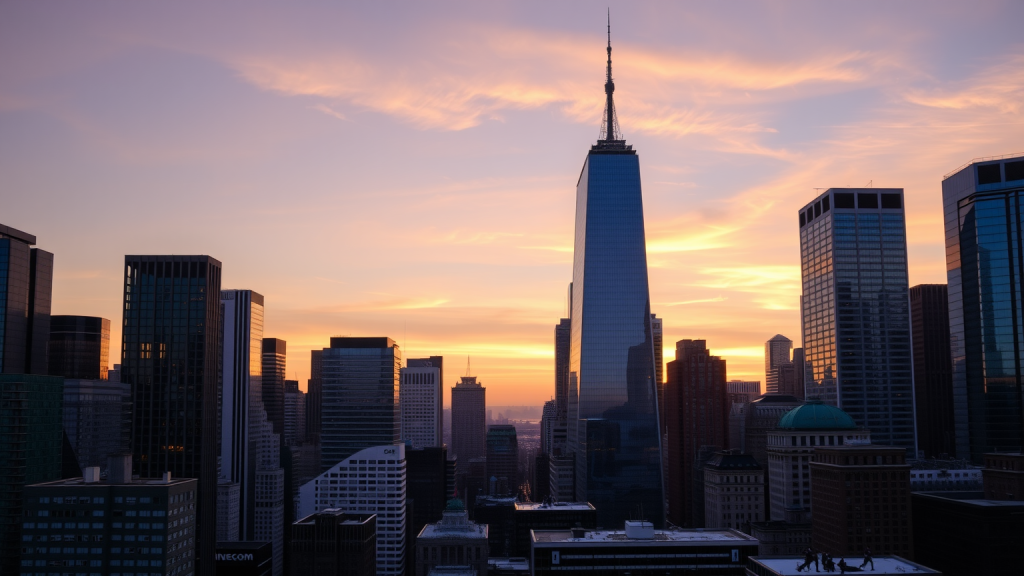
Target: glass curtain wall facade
pixel 26 283
pixel 613 416
pixel 170 355
pixel 983 206
pixel 361 407
pixel 856 310
pixel 79 347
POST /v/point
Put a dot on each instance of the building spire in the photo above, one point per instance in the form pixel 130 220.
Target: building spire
pixel 609 124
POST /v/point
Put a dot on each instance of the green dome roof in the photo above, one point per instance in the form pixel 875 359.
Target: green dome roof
pixel 816 415
pixel 455 504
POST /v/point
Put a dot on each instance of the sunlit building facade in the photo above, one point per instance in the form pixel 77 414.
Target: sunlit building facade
pixel 613 417
pixel 984 217
pixel 856 309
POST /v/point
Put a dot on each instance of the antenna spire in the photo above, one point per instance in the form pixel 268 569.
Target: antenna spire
pixel 610 126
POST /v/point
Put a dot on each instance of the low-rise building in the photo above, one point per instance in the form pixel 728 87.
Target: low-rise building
pixel 334 543
pixel 932 475
pixel 116 525
pixel 965 533
pixel 508 567
pixel 640 550
pixel 1004 476
pixel 454 541
pixel 529 516
pixel 880 565
pixel 781 538
pixel 244 559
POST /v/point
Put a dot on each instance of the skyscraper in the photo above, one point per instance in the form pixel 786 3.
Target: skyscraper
pixel 982 204
pixel 856 309
pixel 170 352
pixel 97 419
pixel 294 413
pixel 275 355
pixel 933 370
pixel 563 336
pixel 79 347
pixel 314 395
pixel 776 353
pixel 697 411
pixel 26 283
pixel 420 396
pixel 613 419
pixel 250 450
pixel 360 397
pixel 503 459
pixel 469 420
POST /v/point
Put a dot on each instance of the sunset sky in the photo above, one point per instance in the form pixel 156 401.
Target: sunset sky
pixel 409 169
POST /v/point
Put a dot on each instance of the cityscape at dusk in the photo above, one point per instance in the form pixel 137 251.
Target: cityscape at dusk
pixel 728 289
pixel 409 171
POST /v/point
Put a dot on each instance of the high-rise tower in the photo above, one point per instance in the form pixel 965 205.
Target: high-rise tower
pixel 776 353
pixel 26 286
pixel 613 416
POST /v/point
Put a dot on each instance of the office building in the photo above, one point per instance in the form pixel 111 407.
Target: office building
pixel 861 499
pixel 30 450
pixel 371 481
pixel 79 347
pixel 786 565
pixel 640 549
pixel 933 370
pixel 979 203
pixel 776 353
pixel 26 287
pixel 427 492
pixel 563 338
pixel 796 387
pixel 782 537
pixel 947 475
pixel 294 414
pixel 790 448
pixel 333 542
pixel 498 514
pixel 314 396
pixel 697 412
pixel 170 353
pixel 250 449
pixel 1003 476
pixel 762 415
pixel 122 525
pixel 469 419
pixel 244 559
pixel 420 397
pixel 963 533
pixel 613 426
pixel 97 419
pixel 737 421
pixel 855 306
pixel 658 335
pixel 529 516
pixel 228 517
pixel 502 460
pixel 562 478
pixel 733 491
pixel 360 409
pixel 744 391
pixel 274 363
pixel 454 540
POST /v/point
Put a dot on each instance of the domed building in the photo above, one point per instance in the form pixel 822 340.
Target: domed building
pixel 790 447
pixel 455 540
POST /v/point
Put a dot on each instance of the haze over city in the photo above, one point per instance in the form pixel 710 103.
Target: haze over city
pixel 410 170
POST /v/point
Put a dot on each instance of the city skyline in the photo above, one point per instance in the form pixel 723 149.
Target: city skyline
pixel 149 113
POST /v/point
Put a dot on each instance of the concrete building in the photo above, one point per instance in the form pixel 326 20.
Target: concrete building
pixel 1003 476
pixel 314 396
pixel 733 491
pixel 274 362
pixel 452 541
pixel 334 543
pixel 640 549
pixel 427 492
pixel 856 310
pixel 697 412
pixel 420 397
pixel 762 415
pixel 781 537
pixel 143 525
pixel 861 499
pixel 777 352
pixel 530 516
pixel 743 390
pixel 370 482
pixel 228 516
pixel 30 450
pixel 953 475
pixel 791 448
pixel 469 419
pixel 979 203
pixel 294 414
pixel 79 347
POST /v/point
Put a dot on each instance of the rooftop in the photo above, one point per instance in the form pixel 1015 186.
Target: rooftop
pixel 554 506
pixel 733 460
pixel 973 498
pixel 786 565
pixel 80 482
pixel 661 537
pixel 816 415
pixel 472 531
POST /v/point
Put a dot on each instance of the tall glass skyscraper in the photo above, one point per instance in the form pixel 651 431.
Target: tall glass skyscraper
pixel 856 309
pixel 984 216
pixel 613 415
pixel 26 281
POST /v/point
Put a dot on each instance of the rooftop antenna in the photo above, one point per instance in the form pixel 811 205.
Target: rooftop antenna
pixel 609 130
pixel 467 365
